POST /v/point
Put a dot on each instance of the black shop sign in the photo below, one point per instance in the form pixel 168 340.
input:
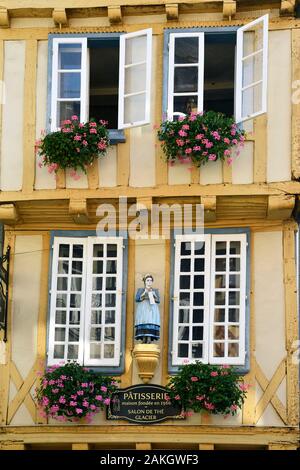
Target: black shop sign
pixel 143 404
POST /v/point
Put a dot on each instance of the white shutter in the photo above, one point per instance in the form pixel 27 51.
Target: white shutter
pixel 186 74
pixel 67 300
pixel 135 78
pixel 70 87
pixel 191 298
pixel 103 301
pixel 251 69
pixel 227 299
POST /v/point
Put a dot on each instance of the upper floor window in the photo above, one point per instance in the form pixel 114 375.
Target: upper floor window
pixel 209 301
pixel 106 77
pixel 86 301
pixel 220 71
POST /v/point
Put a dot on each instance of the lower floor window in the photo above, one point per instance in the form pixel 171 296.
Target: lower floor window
pixel 209 299
pixel 86 300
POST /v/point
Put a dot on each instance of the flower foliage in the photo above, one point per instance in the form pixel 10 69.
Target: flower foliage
pixel 70 392
pixel 74 146
pixel 200 137
pixel 216 389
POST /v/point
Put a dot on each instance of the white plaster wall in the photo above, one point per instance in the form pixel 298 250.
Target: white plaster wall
pixel 43 180
pixel 108 168
pixel 179 173
pixel 269 300
pixel 150 258
pixel 11 163
pixel 211 173
pixel 81 183
pixel 142 140
pixel 279 107
pixel 242 166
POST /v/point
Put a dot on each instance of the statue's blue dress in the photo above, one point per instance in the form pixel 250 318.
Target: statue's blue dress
pixel 147 318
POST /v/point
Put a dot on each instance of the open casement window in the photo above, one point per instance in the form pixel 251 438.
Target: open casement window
pixel 186 74
pixel 86 298
pixel 251 69
pixel 135 78
pixel 69 92
pixel 209 299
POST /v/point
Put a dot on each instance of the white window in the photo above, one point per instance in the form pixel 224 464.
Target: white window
pixel 86 298
pixel 105 78
pixel 222 71
pixel 209 299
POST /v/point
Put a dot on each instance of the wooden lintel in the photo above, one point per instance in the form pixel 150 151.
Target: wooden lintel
pixel 229 9
pixel 114 14
pixel 4 18
pixel 172 11
pixel 280 207
pixel 80 446
pixel 287 7
pixel 210 208
pixel 78 210
pixel 59 16
pixel 9 214
pixel 142 202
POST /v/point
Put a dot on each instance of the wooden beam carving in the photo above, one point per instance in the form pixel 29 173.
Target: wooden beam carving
pixel 59 16
pixel 9 214
pixel 229 9
pixel 4 18
pixel 172 11
pixel 287 7
pixel 114 14
pixel 210 208
pixel 280 207
pixel 78 210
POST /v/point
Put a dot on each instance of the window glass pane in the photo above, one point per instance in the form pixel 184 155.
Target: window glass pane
pixel 220 264
pixel 233 332
pixel 220 248
pixel 184 282
pixel 95 334
pixel 64 251
pixel 199 264
pixel 234 281
pixel 96 300
pixel 69 85
pixel 110 316
pixel 73 335
pixel 197 332
pixel 77 251
pixel 134 108
pixel 253 39
pixel 135 79
pixel 60 317
pixel 184 298
pixel 183 350
pixel 218 349
pixel 62 283
pixel 74 317
pixel 97 267
pixel 95 351
pixel 111 267
pixel 135 49
pixel 185 265
pixel 63 267
pixel 109 334
pixel 59 351
pixel 110 300
pixel 109 351
pixel 198 282
pixel 235 248
pixel 184 315
pixel 234 315
pixel 234 298
pixel 69 56
pixel 183 332
pixel 219 315
pixel 252 100
pixel 61 300
pixel 198 298
pixel 112 250
pixel 199 248
pixel 96 317
pixel 197 350
pixel 66 109
pixel 76 267
pixel 219 332
pixel 97 283
pixel 98 251
pixel 76 283
pixel 60 334
pixel 185 79
pixel 185 104
pixel 234 264
pixel 220 281
pixel 111 283
pixel 198 316
pixel 252 69
pixel 186 50
pixel 185 249
pixel 73 351
pixel 220 298
pixel 75 300
pixel 233 349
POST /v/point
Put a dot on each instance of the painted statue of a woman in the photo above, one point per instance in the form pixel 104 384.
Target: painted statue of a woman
pixel 147 318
